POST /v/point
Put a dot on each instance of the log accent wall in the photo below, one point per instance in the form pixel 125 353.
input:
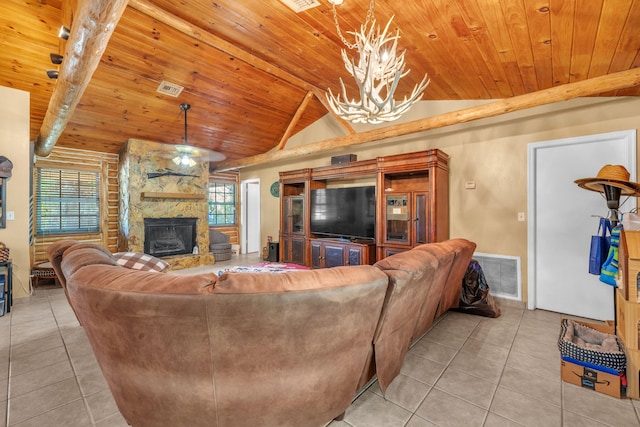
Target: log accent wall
pixel 107 165
pixel 233 231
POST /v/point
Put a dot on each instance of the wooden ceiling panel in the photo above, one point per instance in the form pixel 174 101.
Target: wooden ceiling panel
pixel 584 38
pixel 493 49
pixel 248 66
pixel 562 14
pixel 225 94
pixel 539 22
pixel 25 45
pixel 612 20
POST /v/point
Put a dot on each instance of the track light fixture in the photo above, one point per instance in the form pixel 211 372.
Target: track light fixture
pixel 64 33
pixel 52 74
pixel 56 58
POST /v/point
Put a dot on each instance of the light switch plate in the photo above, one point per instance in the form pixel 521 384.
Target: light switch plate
pixel 11 216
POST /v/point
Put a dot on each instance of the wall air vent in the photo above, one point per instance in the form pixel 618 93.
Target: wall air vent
pixel 300 5
pixel 170 89
pixel 503 274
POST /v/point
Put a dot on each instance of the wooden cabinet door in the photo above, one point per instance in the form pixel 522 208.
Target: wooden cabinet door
pixel 397 219
pixel 420 216
pixel 316 254
pixel 293 215
pixel 355 255
pixel 285 248
pixel 297 250
pixel 333 255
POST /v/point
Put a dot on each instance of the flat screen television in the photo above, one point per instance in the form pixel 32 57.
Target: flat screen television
pixel 348 212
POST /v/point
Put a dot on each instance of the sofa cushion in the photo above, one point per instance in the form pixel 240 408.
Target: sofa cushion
pixel 74 259
pixel 463 249
pixel 410 276
pixel 438 282
pixel 140 261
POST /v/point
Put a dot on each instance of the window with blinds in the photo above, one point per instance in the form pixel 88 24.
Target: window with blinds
pixel 222 203
pixel 67 201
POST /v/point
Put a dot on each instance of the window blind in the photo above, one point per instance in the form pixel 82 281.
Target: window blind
pixel 67 201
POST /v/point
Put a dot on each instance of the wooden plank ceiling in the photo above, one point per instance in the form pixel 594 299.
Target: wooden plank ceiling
pixel 255 72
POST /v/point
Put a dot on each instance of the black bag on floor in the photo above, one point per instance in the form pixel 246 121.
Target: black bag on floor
pixel 475 297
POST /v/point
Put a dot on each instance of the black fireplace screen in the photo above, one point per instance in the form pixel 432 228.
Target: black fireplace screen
pixel 169 236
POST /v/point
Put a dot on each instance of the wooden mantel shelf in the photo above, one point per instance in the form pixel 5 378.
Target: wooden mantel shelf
pixel 156 195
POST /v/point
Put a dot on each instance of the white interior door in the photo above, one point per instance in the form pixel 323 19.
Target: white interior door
pixel 563 217
pixel 251 216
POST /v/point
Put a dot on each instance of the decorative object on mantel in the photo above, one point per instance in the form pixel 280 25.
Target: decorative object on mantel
pixel 167 172
pixel 187 155
pixel 377 74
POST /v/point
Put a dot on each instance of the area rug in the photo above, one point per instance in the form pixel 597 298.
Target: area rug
pixel 265 267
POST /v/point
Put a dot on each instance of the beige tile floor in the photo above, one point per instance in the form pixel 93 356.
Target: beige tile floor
pixel 466 371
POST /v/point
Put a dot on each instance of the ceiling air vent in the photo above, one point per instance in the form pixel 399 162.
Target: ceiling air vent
pixel 301 5
pixel 170 89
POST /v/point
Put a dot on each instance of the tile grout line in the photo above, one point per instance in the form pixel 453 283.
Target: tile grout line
pixel 445 369
pixel 73 368
pixel 48 301
pixel 9 369
pixel 502 373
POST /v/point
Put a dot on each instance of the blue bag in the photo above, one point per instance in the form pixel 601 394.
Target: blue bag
pixel 600 246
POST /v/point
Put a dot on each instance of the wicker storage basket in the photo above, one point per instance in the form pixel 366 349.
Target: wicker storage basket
pixel 4 252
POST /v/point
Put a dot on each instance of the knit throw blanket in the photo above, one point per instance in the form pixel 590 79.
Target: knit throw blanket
pixel 265 267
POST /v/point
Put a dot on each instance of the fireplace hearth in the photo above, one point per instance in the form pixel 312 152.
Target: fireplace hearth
pixel 169 236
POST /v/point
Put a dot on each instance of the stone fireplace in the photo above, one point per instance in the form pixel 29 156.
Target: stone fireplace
pixel 153 190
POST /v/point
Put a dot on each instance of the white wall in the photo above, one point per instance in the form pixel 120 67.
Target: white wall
pixel 14 144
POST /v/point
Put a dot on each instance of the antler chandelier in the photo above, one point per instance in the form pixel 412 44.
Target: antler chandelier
pixel 377 74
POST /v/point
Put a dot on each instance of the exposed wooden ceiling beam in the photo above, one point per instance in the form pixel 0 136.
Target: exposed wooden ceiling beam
pixel 593 86
pixel 322 96
pixel 294 121
pixel 94 23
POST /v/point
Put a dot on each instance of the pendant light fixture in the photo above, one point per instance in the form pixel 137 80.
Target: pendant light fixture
pixel 187 154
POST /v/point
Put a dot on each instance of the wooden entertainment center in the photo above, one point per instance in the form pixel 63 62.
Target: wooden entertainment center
pixel 412 208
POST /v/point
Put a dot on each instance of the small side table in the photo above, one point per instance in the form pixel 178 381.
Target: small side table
pixel 43 271
pixel 8 291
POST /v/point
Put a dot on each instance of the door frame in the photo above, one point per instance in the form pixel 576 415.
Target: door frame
pixel 629 136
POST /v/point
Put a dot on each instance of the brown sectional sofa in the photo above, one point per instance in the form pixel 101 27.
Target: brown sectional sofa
pixel 247 349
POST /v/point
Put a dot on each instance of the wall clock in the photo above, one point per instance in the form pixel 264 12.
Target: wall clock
pixel 275 189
